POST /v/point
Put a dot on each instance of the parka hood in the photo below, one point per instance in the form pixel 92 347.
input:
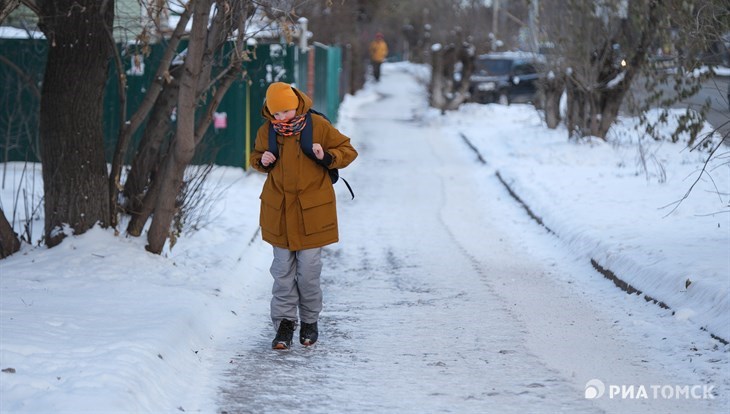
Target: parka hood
pixel 305 104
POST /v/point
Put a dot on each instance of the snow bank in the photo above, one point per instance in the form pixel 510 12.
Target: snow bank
pixel 598 200
pixel 97 324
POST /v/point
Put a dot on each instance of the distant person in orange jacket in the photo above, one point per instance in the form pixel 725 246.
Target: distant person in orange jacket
pixel 378 53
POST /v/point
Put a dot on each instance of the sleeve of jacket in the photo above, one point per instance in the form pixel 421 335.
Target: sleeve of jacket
pixel 338 146
pixel 260 146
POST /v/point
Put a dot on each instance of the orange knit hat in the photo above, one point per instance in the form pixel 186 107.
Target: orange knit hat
pixel 280 97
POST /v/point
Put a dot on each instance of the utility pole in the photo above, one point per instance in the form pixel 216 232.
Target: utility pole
pixel 495 18
pixel 533 22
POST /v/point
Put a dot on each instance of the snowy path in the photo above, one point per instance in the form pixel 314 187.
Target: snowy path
pixel 456 312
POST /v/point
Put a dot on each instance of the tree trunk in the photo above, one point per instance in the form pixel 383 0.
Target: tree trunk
pixel 146 207
pixel 183 146
pixel 146 161
pixel 9 242
pixel 551 90
pixel 569 103
pixel 609 108
pixel 613 95
pixel 71 114
pixel 446 92
pixel 151 98
pixel 437 99
pixel 465 55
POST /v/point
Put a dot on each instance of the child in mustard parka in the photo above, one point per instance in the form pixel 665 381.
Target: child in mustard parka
pixel 298 210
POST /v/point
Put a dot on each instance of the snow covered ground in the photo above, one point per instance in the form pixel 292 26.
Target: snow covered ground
pixel 443 295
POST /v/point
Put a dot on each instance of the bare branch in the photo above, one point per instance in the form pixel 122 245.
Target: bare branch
pixel 703 171
pixel 159 79
pixel 28 79
pixel 236 18
pixel 114 180
pixel 7 7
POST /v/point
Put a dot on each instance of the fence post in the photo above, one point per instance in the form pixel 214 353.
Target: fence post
pixel 247 128
pixel 334 64
pixel 303 33
pixel 310 72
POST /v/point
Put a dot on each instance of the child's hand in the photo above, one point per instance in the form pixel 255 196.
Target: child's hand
pixel 318 151
pixel 267 158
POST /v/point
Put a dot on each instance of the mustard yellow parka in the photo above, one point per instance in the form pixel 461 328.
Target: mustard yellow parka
pixel 378 50
pixel 298 208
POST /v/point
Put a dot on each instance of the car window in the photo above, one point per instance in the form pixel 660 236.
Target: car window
pixel 524 69
pixel 494 66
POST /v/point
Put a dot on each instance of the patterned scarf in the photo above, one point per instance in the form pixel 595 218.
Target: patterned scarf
pixel 290 127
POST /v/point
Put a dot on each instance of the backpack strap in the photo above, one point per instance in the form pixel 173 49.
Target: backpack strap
pixel 306 139
pixel 273 146
pixel 349 188
pixel 314 111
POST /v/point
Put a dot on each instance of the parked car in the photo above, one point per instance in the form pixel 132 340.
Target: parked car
pixel 505 78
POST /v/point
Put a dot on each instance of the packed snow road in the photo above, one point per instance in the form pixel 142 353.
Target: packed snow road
pixel 441 296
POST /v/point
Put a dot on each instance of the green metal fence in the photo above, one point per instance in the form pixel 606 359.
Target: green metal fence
pixel 318 75
pixel 22 62
pixel 229 140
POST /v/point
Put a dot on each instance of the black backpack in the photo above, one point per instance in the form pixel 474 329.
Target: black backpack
pixel 305 141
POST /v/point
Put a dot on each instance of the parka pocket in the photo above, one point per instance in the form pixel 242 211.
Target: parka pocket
pixel 271 212
pixel 318 211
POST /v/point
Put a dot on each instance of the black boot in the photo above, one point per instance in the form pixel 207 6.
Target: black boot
pixel 308 333
pixel 283 335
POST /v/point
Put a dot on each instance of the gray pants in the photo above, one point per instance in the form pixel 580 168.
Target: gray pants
pixel 296 285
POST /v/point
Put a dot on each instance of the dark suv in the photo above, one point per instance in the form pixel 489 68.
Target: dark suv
pixel 505 78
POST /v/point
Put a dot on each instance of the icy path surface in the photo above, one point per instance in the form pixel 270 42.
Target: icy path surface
pixel 457 312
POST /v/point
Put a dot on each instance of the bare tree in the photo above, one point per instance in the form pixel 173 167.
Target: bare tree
pixel 602 48
pixel 154 101
pixel 450 72
pixel 71 124
pixel 155 186
pixel 676 71
pixel 183 147
pixel 603 61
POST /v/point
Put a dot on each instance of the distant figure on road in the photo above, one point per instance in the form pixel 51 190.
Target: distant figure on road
pixel 298 214
pixel 378 53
